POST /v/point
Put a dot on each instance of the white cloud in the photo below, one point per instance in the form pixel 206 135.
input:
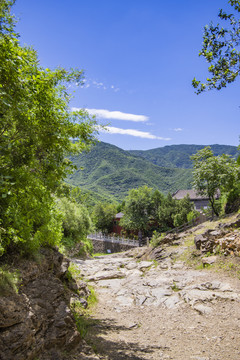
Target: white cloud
pixel 99 85
pixel 132 132
pixel 114 88
pixel 178 129
pixel 117 115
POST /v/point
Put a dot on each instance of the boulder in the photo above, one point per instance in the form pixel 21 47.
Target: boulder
pixel 199 240
pixel 209 260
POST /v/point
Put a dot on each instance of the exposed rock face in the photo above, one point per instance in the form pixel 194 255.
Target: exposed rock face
pixel 37 322
pixel 225 239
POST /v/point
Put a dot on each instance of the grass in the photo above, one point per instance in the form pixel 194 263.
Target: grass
pixel 100 254
pixel 81 248
pixel 9 281
pixel 174 287
pixel 228 264
pixel 82 316
pixel 192 257
pixel 156 239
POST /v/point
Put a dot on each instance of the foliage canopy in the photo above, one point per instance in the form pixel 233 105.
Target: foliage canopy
pixel 148 210
pixel 103 215
pixel 221 50
pixel 36 133
pixel 213 174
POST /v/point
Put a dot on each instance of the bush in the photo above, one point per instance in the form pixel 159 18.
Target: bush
pixel 192 215
pixel 76 225
pixel 8 282
pixel 75 218
pixel 156 238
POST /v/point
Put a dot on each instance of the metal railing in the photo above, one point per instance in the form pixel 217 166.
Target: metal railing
pixel 113 239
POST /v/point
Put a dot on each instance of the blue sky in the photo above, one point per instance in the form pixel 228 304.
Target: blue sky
pixel 139 57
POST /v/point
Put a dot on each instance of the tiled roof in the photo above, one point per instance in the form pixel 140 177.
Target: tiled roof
pixel 193 195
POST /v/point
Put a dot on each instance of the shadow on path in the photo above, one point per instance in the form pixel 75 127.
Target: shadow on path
pixel 113 349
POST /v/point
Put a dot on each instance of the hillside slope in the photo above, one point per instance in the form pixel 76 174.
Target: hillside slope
pixel 111 171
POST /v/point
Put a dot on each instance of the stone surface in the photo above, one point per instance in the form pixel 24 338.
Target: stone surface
pixel 163 311
pixel 209 260
pixel 37 322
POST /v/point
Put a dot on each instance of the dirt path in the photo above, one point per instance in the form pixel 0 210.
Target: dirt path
pixel 164 311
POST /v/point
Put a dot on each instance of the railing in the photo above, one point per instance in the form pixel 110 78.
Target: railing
pixel 183 227
pixel 113 239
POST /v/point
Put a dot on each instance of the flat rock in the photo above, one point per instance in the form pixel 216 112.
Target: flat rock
pixel 143 265
pixel 202 309
pixel 173 301
pixel 104 275
pixel 209 260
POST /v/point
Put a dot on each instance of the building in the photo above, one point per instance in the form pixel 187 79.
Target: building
pixel 200 202
pixel 116 226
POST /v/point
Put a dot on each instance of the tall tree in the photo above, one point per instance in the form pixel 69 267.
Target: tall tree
pixel 212 173
pixel 36 132
pixel 221 50
pixel 137 209
pixel 103 216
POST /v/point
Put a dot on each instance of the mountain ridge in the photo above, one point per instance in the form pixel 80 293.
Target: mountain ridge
pixel 179 155
pixel 111 171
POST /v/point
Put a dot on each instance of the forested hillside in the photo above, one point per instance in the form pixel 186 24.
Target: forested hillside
pixel 111 171
pixel 178 156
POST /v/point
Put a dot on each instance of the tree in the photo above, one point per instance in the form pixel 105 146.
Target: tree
pixel 103 216
pixel 166 213
pixel 183 208
pixel 36 132
pixel 221 50
pixel 146 210
pixel 213 173
pixel 76 219
pixel 137 210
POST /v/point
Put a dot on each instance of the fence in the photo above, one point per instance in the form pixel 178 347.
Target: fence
pixel 113 239
pixel 196 222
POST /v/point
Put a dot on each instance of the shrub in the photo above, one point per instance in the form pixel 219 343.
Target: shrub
pixel 8 282
pixel 156 238
pixel 76 220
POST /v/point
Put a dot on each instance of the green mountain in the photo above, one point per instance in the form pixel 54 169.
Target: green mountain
pixel 178 156
pixel 111 172
pixel 108 172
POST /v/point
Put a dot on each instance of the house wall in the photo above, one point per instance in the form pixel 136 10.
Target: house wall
pixel 116 227
pixel 199 204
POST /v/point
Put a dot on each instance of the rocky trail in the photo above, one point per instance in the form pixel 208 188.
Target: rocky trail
pixel 165 310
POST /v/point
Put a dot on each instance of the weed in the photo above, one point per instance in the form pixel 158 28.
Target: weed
pixel 73 272
pixel 92 298
pixel 82 316
pixel 208 254
pixel 102 254
pixel 8 281
pixel 156 238
pixel 174 287
pixel 155 263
